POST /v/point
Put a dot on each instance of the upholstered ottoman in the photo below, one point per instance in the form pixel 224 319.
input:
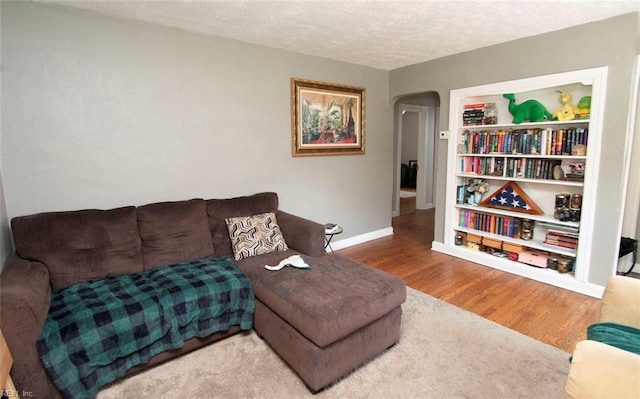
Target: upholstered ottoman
pixel 326 321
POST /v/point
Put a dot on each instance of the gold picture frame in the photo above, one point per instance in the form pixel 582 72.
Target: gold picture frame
pixel 326 118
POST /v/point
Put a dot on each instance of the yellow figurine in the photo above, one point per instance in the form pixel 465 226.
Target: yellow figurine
pixel 568 111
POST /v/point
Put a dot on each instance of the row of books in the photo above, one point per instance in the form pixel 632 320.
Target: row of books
pixel 482 165
pixel 561 240
pixel 564 238
pixel 531 141
pixel 462 194
pixel 479 114
pixel 495 224
pixel 473 116
pixel 528 168
pixel 531 168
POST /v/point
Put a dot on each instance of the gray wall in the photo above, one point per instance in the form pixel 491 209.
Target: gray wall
pixel 609 43
pixel 101 112
pixel 5 234
pixel 409 137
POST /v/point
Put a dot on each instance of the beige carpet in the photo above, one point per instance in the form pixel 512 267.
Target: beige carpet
pixel 444 352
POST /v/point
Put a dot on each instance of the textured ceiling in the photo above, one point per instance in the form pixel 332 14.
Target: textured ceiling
pixel 379 34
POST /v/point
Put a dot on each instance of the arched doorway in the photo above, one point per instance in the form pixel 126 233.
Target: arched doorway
pixel 419 112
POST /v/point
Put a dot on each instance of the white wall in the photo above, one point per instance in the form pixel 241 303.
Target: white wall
pixel 611 43
pixel 101 112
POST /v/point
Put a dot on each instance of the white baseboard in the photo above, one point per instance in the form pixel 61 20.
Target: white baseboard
pixel 543 275
pixel 424 207
pixel 362 238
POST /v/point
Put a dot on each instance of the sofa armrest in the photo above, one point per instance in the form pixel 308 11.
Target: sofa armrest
pixel 25 295
pixel 621 302
pixel 602 371
pixel 301 234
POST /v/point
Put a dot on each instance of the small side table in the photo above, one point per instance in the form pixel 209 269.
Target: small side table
pixel 329 236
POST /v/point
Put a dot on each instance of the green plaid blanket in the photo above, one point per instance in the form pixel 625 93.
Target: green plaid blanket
pixel 624 337
pixel 97 330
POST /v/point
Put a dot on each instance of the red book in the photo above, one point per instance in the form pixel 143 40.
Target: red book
pixel 561 244
pixel 475 106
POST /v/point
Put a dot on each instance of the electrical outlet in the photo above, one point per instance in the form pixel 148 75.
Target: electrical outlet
pixel 444 135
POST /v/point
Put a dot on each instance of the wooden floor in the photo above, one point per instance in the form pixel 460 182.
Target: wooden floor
pixel 552 315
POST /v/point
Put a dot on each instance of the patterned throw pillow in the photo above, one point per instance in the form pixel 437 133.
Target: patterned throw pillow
pixel 255 235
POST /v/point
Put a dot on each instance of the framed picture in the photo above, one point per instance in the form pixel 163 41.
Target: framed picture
pixel 326 118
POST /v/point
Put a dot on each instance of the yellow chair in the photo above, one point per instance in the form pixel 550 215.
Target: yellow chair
pixel 6 361
pixel 602 371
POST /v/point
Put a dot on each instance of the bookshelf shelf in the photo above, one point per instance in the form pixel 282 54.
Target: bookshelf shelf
pixel 549 161
pixel 541 218
pixel 519 179
pixel 502 155
pixel 527 125
pixel 534 244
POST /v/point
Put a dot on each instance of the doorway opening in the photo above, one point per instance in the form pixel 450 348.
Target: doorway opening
pixel 414 156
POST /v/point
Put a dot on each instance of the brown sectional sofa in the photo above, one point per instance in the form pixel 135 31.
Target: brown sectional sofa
pixel 323 322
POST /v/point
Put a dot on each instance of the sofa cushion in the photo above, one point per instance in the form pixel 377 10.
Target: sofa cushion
pixel 220 209
pixel 255 235
pixel 174 232
pixel 82 245
pixel 328 302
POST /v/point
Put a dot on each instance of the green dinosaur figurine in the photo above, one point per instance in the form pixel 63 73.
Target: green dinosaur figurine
pixel 530 110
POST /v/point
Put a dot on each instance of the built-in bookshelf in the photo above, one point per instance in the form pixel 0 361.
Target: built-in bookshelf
pixel 550 164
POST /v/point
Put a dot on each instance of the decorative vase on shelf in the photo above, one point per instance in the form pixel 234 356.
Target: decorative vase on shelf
pixel 477 187
pixel 477 197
